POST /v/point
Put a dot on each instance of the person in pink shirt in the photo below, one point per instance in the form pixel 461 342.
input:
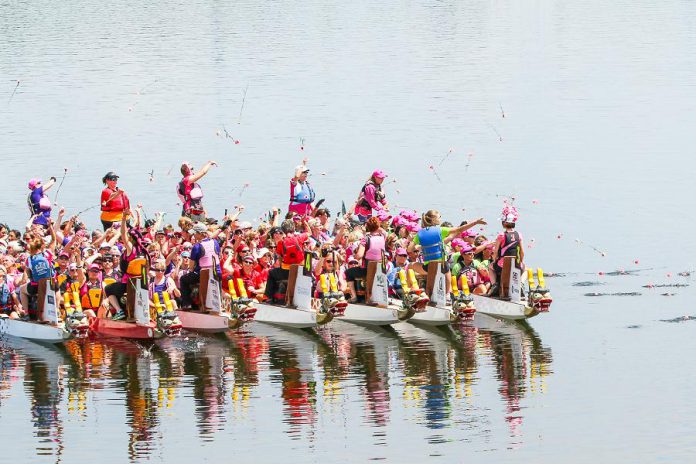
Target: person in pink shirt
pixel 372 197
pixel 190 193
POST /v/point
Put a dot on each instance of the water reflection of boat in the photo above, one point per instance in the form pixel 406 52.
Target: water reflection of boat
pixel 518 355
pixel 366 351
pixel 43 381
pixel 293 354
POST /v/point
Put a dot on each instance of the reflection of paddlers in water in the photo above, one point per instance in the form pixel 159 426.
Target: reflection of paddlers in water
pixel 190 193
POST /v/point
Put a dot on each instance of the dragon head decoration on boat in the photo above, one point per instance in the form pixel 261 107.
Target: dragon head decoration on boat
pixel 77 324
pixel 168 323
pixel 241 310
pixel 333 303
pixel 539 296
pixel 463 307
pixel 540 299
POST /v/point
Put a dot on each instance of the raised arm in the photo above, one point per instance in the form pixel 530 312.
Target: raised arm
pixel 51 182
pixel 458 230
pixel 204 170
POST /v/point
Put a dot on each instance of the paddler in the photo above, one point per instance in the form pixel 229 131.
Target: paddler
pixel 204 255
pixel 9 304
pixel 371 248
pixel 38 201
pixel 508 243
pixel 133 259
pixel 464 265
pixel 114 201
pixel 301 193
pixel 431 240
pixel 38 267
pixel 190 193
pixel 372 197
pixel 92 290
pixel 290 249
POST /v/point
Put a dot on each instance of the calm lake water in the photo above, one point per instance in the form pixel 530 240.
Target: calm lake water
pixel 594 145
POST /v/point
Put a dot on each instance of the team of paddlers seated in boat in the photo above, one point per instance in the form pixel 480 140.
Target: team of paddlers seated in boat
pixel 98 264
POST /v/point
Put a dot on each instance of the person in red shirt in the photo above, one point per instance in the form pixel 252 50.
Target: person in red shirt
pixel 291 251
pixel 190 193
pixel 252 279
pixel 264 263
pixel 114 201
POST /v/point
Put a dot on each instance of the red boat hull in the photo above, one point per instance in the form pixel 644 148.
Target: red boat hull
pixel 122 329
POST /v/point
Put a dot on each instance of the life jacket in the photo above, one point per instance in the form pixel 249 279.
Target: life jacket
pixel 190 196
pixel 305 195
pixel 91 295
pixel 206 260
pixel 40 268
pixel 292 252
pixel 431 243
pixel 134 267
pixel 472 275
pixel 379 195
pixel 43 206
pixel 374 245
pixel 117 204
pixel 155 288
pixel 510 245
pixel 5 297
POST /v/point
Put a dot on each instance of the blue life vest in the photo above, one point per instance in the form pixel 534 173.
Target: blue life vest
pixel 431 243
pixel 5 299
pixel 306 194
pixel 40 268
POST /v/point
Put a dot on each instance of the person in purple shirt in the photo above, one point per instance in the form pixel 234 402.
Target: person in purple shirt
pixel 38 201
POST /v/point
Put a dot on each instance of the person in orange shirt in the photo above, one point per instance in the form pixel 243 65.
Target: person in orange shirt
pixel 114 201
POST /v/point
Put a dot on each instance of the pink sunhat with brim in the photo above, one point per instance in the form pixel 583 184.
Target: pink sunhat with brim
pixel 379 174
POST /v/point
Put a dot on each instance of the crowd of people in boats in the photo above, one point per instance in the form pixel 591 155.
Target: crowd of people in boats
pixel 98 263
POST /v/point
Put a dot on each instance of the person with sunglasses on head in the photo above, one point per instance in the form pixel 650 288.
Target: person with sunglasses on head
pixel 190 192
pixel 114 201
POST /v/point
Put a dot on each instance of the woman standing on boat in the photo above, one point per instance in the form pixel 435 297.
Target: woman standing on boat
pixel 114 201
pixel 371 198
pixel 39 204
pixel 190 193
pixel 301 193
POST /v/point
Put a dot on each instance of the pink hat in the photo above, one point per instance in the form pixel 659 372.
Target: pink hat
pixel 33 183
pixel 468 233
pixel 413 227
pixel 466 248
pixel 378 173
pixel 94 267
pixel 401 252
pixel 382 215
pixel 458 243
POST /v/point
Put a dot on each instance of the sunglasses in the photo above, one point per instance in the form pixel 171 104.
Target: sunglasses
pixel 156 269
